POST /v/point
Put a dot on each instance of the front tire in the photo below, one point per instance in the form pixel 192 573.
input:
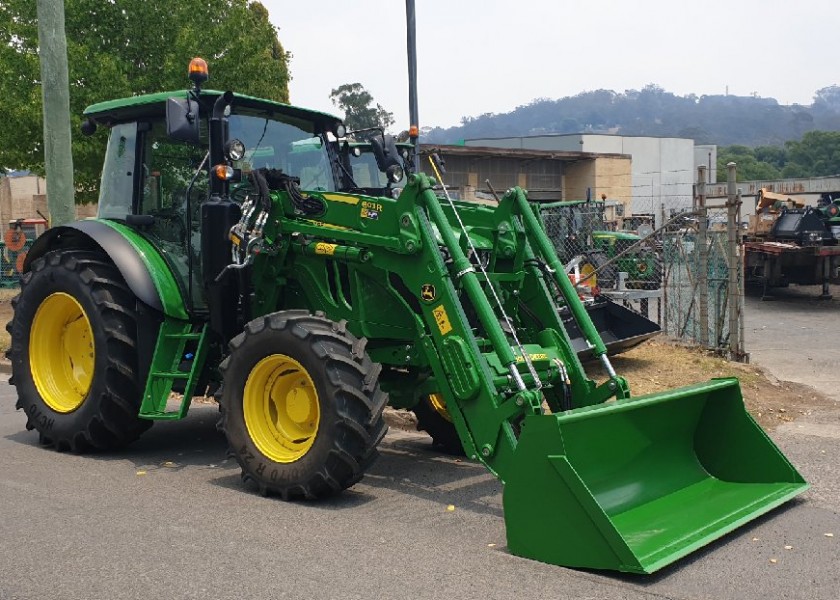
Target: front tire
pixel 74 355
pixel 433 418
pixel 301 405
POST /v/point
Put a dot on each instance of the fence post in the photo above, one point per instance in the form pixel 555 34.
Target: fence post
pixel 703 258
pixel 736 348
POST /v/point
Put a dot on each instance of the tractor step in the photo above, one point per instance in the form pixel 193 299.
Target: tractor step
pixel 166 369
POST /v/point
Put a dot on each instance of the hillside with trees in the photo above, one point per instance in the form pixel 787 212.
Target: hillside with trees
pixel 767 140
pixel 817 154
pixel 722 120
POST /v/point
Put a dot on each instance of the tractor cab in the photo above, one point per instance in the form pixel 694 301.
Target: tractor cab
pixel 157 177
pixel 374 164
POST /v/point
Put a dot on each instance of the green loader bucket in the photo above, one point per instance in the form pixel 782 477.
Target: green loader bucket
pixel 636 484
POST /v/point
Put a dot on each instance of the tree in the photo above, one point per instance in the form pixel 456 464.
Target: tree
pixel 817 154
pixel 119 48
pixel 750 167
pixel 356 101
pixel 828 98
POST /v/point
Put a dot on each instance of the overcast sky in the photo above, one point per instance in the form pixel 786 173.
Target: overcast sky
pixel 476 56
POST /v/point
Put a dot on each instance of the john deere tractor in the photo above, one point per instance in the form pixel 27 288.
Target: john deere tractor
pixel 223 259
pixel 578 229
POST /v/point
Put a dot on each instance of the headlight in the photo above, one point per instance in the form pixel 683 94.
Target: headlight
pixel 235 150
pixel 394 173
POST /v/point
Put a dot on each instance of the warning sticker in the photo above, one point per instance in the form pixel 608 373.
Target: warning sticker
pixel 442 319
pixel 325 248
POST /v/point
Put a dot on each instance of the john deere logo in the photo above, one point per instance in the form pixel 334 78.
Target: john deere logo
pixel 428 293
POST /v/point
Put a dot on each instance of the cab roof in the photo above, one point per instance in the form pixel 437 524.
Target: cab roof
pixel 154 105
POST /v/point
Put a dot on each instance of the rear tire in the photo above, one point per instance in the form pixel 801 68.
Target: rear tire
pixel 436 423
pixel 74 355
pixel 301 405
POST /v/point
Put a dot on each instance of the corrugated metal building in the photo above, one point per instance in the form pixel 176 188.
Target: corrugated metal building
pixel 661 172
pixel 546 174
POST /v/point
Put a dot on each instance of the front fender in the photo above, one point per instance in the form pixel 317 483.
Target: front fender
pixel 141 265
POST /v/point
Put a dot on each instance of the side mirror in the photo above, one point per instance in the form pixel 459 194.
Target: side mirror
pixel 182 122
pixel 385 151
pixel 88 127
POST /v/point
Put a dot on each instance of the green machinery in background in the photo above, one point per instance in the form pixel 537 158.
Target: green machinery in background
pixel 308 308
pixel 14 246
pixel 578 229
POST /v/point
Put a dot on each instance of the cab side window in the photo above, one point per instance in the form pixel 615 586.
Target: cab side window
pixel 168 167
pixel 116 191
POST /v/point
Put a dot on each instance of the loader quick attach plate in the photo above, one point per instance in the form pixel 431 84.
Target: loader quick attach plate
pixel 636 484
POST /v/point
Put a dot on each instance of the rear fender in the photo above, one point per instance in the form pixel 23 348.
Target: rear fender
pixel 141 265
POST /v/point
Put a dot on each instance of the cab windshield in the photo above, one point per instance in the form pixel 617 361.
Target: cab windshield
pixel 366 173
pixel 290 145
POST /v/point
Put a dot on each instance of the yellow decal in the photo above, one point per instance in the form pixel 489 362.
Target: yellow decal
pixel 533 357
pixel 372 206
pixel 325 248
pixel 322 224
pixel 370 210
pixel 442 320
pixel 343 199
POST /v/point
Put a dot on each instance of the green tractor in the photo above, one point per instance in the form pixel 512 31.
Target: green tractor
pixel 579 230
pixel 363 166
pixel 307 308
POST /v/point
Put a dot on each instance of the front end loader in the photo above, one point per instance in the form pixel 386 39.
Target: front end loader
pixel 225 259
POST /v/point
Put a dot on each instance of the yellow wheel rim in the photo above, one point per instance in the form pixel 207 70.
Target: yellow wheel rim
pixel 281 408
pixel 586 270
pixel 439 404
pixel 61 352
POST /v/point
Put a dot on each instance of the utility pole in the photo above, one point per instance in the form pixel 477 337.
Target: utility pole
pixel 55 93
pixel 413 116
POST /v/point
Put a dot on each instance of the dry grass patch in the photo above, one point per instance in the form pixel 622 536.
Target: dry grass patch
pixel 657 366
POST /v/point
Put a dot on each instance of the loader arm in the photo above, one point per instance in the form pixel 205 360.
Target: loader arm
pixel 482 332
pixel 458 300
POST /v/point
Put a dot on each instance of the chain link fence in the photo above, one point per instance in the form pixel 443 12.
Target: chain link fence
pixel 15 244
pixel 599 253
pixel 680 275
pixel 699 266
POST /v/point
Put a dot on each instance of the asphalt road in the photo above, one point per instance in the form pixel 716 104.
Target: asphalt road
pixel 796 335
pixel 168 518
